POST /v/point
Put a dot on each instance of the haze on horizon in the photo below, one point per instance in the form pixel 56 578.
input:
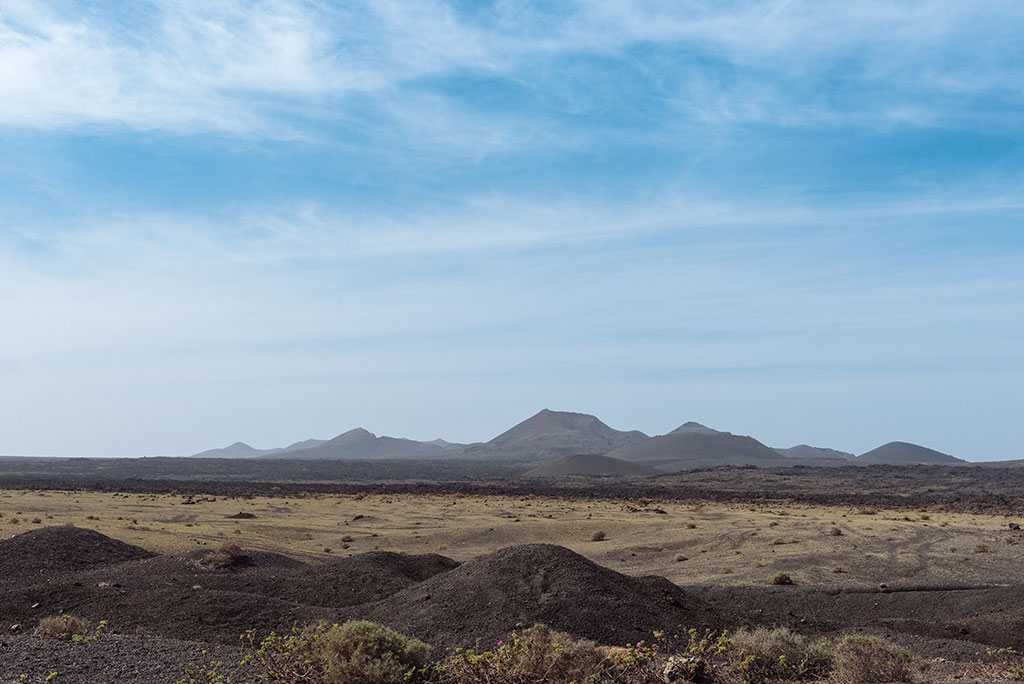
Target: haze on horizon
pixel 273 221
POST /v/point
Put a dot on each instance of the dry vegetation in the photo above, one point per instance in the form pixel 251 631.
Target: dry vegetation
pixel 686 542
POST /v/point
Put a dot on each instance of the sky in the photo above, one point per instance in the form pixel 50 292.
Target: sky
pixel 271 221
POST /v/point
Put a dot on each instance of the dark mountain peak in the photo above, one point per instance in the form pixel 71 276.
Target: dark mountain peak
pixel 548 422
pixel 692 428
pixel 355 434
pixel 548 434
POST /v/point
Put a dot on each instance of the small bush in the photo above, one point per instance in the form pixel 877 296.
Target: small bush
pixel 835 532
pixel 981 548
pixel 779 654
pixel 867 660
pixel 781 578
pixel 70 628
pixel 538 654
pixel 357 652
pixel 228 555
pixel 598 536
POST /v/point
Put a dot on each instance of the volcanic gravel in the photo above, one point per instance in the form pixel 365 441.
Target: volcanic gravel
pixel 118 659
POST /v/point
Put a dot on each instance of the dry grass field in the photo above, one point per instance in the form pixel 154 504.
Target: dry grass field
pixel 688 543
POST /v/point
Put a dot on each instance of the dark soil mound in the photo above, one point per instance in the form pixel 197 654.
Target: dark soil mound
pixel 487 597
pixel 186 596
pixel 363 578
pixel 35 555
pixel 169 609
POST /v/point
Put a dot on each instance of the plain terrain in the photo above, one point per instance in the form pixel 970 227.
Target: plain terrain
pixel 924 556
pixel 694 542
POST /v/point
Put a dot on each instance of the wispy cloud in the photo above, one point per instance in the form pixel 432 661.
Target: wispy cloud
pixel 264 67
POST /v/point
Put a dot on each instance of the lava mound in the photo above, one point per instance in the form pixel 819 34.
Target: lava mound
pixel 364 578
pixel 40 553
pixel 489 596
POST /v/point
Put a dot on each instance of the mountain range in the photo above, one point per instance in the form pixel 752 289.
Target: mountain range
pixel 561 438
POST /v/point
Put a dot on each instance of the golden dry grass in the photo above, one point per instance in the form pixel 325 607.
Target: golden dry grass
pixel 689 543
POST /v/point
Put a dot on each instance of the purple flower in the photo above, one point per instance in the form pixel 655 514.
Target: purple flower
pixel 501 643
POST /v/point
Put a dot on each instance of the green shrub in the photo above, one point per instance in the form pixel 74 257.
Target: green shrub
pixel 701 658
pixel 867 660
pixel 71 628
pixel 206 673
pixel 538 654
pixel 765 655
pixel 357 652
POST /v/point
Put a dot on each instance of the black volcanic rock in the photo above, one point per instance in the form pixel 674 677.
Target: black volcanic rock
pixel 589 464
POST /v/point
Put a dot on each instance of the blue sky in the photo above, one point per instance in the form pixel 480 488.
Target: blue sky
pixel 268 221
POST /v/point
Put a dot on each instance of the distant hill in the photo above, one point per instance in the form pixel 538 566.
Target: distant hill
pixel 815 453
pixel 362 445
pixel 243 450
pixel 236 450
pixel 691 428
pixel 899 453
pixel 450 446
pixel 688 450
pixel 589 464
pixel 554 433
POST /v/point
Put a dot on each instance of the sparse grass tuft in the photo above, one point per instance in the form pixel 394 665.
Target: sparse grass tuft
pixel 835 532
pixel 70 628
pixel 598 536
pixel 781 578
pixel 781 655
pixel 357 652
pixel 980 548
pixel 868 660
pixel 539 654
